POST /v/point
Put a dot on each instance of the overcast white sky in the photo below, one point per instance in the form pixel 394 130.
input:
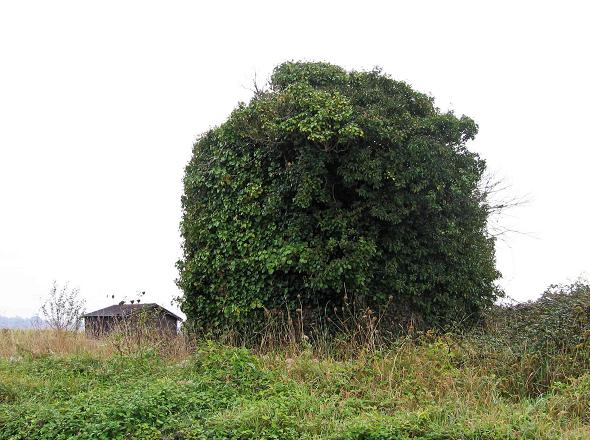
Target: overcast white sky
pixel 100 103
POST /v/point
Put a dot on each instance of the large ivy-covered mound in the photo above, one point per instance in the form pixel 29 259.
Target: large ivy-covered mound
pixel 335 186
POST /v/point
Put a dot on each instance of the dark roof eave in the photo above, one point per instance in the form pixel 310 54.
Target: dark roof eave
pixel 126 310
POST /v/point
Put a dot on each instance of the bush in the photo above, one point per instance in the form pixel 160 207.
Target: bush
pixel 334 187
pixel 536 344
pixel 556 322
pixel 63 309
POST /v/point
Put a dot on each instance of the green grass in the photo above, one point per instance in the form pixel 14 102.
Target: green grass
pixel 525 374
pixel 432 388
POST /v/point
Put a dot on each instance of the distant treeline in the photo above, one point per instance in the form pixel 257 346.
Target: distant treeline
pixel 18 322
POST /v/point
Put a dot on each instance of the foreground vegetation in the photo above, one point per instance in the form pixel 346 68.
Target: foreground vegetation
pixel 526 376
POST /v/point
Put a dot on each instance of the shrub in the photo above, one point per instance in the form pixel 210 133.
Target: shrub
pixel 538 343
pixel 558 321
pixel 335 186
pixel 63 309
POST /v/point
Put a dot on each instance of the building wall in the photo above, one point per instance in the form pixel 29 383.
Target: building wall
pixel 169 324
pixel 97 326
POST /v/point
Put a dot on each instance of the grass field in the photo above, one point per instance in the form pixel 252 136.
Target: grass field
pixel 497 384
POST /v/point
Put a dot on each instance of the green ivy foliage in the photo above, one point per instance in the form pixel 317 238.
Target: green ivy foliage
pixel 334 184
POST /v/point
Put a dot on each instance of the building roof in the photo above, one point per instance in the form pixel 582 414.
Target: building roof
pixel 128 309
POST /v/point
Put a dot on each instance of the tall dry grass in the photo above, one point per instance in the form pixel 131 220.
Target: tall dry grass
pixel 16 344
pixel 36 343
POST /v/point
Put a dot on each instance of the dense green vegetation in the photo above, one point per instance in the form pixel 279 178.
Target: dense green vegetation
pixel 495 384
pixel 332 187
pixel 327 225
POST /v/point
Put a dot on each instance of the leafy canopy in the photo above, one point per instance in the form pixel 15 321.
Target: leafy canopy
pixel 334 184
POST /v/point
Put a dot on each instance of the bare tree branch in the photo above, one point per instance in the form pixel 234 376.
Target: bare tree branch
pixel 494 192
pixel 63 309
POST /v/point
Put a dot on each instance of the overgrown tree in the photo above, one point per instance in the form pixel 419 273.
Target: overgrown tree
pixel 333 186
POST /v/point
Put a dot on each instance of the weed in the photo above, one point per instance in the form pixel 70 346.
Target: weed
pixel 507 382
